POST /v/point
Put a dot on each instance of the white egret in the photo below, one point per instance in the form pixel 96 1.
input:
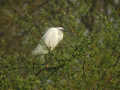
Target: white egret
pixel 49 40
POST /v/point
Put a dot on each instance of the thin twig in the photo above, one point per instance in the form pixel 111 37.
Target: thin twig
pixel 49 69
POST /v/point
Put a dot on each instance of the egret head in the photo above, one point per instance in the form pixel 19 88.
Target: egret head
pixel 60 28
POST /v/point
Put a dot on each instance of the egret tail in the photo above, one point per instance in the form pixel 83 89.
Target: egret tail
pixel 40 49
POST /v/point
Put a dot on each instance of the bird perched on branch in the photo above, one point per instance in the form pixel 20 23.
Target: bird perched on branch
pixel 49 40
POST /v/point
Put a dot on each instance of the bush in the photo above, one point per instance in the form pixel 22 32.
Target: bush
pixel 87 58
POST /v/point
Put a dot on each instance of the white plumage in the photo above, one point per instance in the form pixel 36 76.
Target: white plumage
pixel 50 39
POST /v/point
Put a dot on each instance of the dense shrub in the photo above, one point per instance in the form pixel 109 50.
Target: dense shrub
pixel 87 59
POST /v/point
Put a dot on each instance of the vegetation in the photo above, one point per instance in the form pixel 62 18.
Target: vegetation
pixel 87 59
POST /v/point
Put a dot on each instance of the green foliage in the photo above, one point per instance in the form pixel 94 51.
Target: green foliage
pixel 87 59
